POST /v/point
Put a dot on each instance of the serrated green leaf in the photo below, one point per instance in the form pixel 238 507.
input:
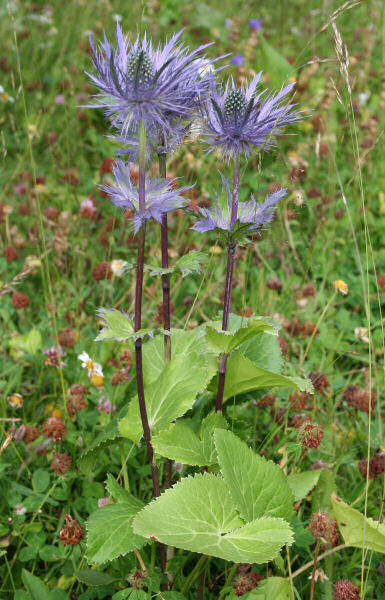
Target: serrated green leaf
pixel 183 342
pixel 94 578
pixel 154 271
pixel 167 398
pixel 258 486
pixel 243 376
pixel 276 588
pixel 264 351
pixel 117 325
pixel 198 514
pixel 87 460
pixel 213 421
pixel 120 495
pixel 190 263
pixel 227 341
pixel 179 442
pixel 35 587
pixel 110 533
pixel 353 525
pixel 30 342
pixel 301 483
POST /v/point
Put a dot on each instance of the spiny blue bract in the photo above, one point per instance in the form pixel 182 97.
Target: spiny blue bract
pixel 145 84
pixel 251 215
pixel 160 195
pixel 237 119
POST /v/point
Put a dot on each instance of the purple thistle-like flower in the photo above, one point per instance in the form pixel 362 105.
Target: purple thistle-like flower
pixel 160 195
pixel 236 120
pixel 251 215
pixel 141 83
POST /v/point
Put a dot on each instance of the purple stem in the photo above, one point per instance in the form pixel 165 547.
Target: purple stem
pixel 138 325
pixel 228 286
pixel 166 296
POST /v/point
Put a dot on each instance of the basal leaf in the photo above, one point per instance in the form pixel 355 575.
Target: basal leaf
pixel 110 533
pixel 352 527
pixel 179 442
pixel 243 376
pixel 198 514
pixel 213 421
pixel 264 351
pixel 226 341
pixel 120 495
pixel 167 398
pixel 183 342
pixel 258 486
pixel 301 483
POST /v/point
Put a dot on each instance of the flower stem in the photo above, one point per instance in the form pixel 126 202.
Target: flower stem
pixel 138 312
pixel 165 278
pixel 228 285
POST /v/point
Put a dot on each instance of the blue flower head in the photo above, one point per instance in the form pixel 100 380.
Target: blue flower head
pixel 251 215
pixel 237 120
pixel 143 83
pixel 161 195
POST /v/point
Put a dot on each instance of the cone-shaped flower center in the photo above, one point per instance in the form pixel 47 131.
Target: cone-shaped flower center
pixel 235 105
pixel 139 67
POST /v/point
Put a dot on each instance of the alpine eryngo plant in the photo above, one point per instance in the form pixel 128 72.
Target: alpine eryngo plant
pixel 237 121
pixel 151 95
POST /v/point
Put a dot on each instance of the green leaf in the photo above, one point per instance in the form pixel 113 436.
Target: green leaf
pixel 244 376
pixel 167 398
pixel 35 587
pixel 180 443
pixel 183 342
pixel 119 494
pixel 213 421
pixel 198 514
pixel 94 578
pixel 272 62
pixel 264 351
pixel 117 325
pixel 87 460
pixel 301 483
pixel 258 486
pixel 110 533
pixel 276 588
pixel 352 527
pixel 30 342
pixel 226 341
pixel 40 480
pixel 189 263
